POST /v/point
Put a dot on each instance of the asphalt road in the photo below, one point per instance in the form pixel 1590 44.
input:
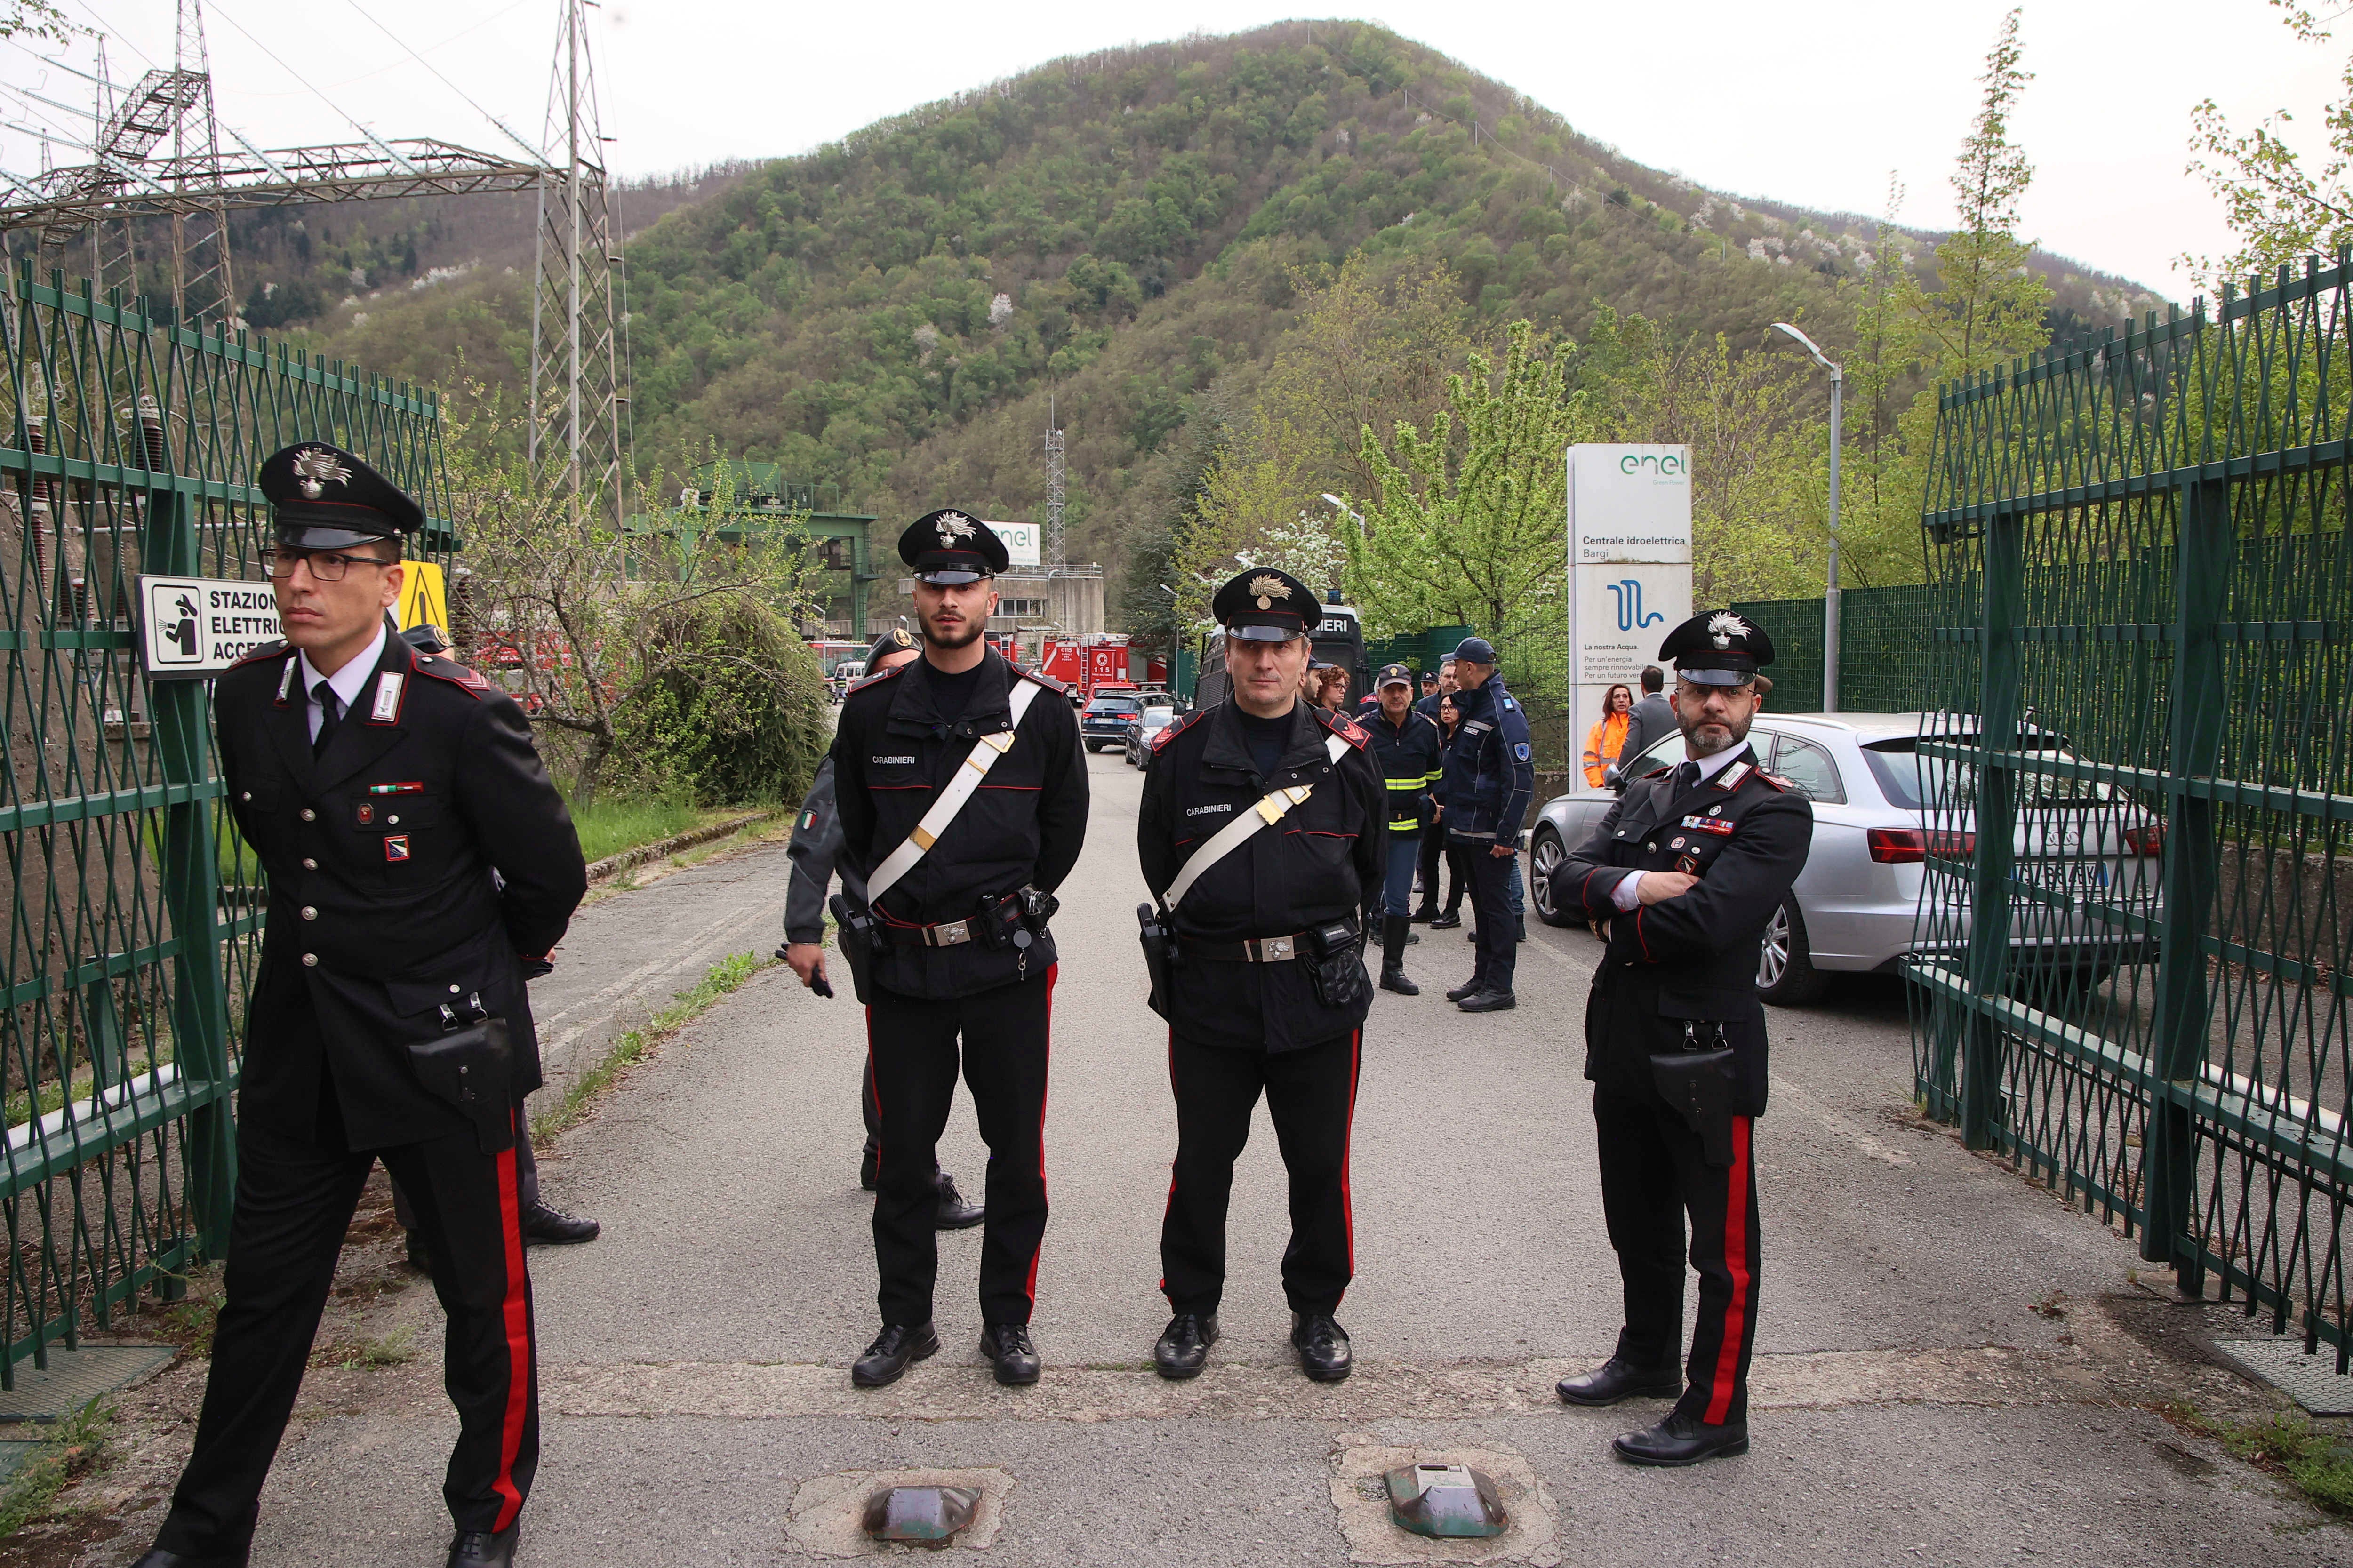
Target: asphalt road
pixel 1952 1366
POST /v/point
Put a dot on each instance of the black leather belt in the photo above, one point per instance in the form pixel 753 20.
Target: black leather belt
pixel 1257 950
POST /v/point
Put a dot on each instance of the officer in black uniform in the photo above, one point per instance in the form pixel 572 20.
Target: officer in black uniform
pixel 1265 989
pixel 418 860
pixel 814 849
pixel 957 937
pixel 1411 755
pixel 1489 780
pixel 1686 868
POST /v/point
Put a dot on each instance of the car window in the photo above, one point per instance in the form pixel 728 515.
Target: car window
pixel 1665 754
pixel 1114 705
pixel 1914 782
pixel 1813 770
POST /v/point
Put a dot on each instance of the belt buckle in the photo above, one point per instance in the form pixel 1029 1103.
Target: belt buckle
pixel 948 933
pixel 1274 948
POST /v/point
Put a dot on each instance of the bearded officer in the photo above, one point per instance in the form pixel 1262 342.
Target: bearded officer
pixel 815 850
pixel 418 860
pixel 1263 837
pixel 1686 867
pixel 962 786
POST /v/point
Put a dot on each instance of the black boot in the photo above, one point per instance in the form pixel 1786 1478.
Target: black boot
pixel 1449 920
pixel 1681 1440
pixel 955 1213
pixel 1009 1348
pixel 1619 1378
pixel 1184 1346
pixel 893 1348
pixel 1322 1346
pixel 870 1166
pixel 481 1549
pixel 1393 936
pixel 159 1558
pixel 544 1226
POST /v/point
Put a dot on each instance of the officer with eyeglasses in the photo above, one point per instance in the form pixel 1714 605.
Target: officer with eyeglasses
pixel 421 865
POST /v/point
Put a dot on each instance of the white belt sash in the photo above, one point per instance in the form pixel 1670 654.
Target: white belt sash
pixel 1268 810
pixel 986 750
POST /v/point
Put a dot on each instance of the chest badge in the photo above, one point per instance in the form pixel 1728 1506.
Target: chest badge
pixel 386 708
pixel 1676 844
pixel 1714 825
pixel 366 812
pixel 396 847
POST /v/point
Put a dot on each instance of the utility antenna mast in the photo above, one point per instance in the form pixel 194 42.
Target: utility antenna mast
pixel 1054 556
pixel 577 402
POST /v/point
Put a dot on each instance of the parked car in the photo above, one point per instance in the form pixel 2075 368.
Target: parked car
pixel 1142 728
pixel 1856 906
pixel 1104 721
pixel 1154 697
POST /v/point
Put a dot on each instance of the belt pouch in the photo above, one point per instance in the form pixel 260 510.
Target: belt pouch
pixel 858 935
pixel 1159 956
pixel 1697 1084
pixel 471 1069
pixel 1338 973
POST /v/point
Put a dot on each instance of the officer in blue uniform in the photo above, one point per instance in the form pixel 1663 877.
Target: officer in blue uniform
pixel 421 866
pixel 1490 779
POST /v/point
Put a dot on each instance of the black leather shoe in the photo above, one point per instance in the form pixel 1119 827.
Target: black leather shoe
pixel 420 1257
pixel 1184 1347
pixel 1468 988
pixel 1489 1002
pixel 157 1557
pixel 1682 1440
pixel 1446 921
pixel 1007 1346
pixel 1617 1379
pixel 893 1348
pixel 1412 937
pixel 870 1166
pixel 546 1227
pixel 481 1549
pixel 1424 915
pixel 954 1213
pixel 1322 1346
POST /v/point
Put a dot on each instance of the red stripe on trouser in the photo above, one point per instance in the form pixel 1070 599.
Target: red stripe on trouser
pixel 1169 1207
pixel 1347 1150
pixel 1031 1287
pixel 1736 1263
pixel 517 1310
pixel 874 1092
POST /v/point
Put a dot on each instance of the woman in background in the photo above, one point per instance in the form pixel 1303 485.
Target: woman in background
pixel 1458 856
pixel 1608 736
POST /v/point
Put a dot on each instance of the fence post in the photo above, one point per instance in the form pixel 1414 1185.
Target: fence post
pixel 1997 819
pixel 192 888
pixel 2201 590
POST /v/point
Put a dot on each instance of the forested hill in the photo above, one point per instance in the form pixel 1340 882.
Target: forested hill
pixel 889 314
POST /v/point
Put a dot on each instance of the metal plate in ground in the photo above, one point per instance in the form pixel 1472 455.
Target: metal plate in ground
pixel 1360 1493
pixel 73 1378
pixel 2311 1381
pixel 828 1512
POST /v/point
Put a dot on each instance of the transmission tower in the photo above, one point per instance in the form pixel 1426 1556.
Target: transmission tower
pixel 577 399
pixel 1054 556
pixel 203 285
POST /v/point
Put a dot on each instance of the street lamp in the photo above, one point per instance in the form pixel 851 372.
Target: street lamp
pixel 1830 592
pixel 1174 631
pixel 1336 504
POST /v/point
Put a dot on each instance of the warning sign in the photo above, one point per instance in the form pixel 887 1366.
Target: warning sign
pixel 191 627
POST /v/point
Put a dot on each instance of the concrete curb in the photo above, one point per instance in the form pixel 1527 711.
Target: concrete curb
pixel 661 847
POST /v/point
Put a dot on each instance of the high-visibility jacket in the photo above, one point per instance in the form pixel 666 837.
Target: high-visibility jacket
pixel 1603 743
pixel 1412 756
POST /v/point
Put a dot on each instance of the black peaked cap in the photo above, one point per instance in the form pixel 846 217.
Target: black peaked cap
pixel 1716 648
pixel 1262 604
pixel 323 498
pixel 948 546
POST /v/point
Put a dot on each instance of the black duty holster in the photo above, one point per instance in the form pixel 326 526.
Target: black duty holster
pixel 1697 1081
pixel 859 938
pixel 1158 936
pixel 471 1068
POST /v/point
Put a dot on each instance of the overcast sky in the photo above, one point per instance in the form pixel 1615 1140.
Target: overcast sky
pixel 1814 103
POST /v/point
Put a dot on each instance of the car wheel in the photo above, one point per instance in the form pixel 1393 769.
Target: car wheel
pixel 1545 855
pixel 1786 975
pixel 1091 747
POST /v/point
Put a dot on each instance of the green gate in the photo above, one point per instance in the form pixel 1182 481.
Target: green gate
pixel 135 916
pixel 2134 942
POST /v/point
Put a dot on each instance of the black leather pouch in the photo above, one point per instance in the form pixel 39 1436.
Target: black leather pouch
pixel 857 944
pixel 1159 955
pixel 1697 1082
pixel 471 1069
pixel 1338 971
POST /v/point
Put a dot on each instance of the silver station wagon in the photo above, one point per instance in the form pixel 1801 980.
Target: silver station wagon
pixel 1856 906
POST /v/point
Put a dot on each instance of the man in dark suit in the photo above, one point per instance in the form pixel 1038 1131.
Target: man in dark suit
pixel 1653 719
pixel 420 863
pixel 1686 868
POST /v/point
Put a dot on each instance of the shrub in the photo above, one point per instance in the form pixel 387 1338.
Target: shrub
pixel 738 720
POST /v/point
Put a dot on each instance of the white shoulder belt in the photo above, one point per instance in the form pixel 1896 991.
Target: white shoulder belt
pixel 986 750
pixel 1228 838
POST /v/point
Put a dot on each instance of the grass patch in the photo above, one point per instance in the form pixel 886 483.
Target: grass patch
pixel 728 974
pixel 2318 1464
pixel 617 823
pixel 74 1445
pixel 397 1348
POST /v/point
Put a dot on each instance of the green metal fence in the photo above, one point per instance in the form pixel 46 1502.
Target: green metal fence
pixel 133 925
pixel 2136 936
pixel 1887 650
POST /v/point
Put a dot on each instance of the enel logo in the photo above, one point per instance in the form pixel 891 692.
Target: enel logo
pixel 1668 467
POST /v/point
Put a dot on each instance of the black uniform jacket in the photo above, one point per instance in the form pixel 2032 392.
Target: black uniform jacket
pixel 815 852
pixel 1022 828
pixel 1690 959
pixel 1322 861
pixel 1411 757
pixel 382 903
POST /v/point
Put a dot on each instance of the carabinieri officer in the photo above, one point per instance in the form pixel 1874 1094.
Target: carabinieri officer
pixel 1263 834
pixel 961 787
pixel 1686 867
pixel 419 861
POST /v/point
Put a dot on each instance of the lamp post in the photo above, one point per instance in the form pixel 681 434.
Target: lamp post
pixel 1174 633
pixel 1830 589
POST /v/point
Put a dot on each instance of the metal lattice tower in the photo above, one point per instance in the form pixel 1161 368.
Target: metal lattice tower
pixel 577 399
pixel 1054 496
pixel 204 286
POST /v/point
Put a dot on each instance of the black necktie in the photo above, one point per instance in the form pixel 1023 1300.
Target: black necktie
pixel 330 713
pixel 1687 776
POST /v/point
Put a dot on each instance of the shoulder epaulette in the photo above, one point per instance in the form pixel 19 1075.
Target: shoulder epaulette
pixel 1176 726
pixel 1059 687
pixel 880 676
pixel 1347 729
pixel 267 650
pixel 1662 771
pixel 1776 780
pixel 471 682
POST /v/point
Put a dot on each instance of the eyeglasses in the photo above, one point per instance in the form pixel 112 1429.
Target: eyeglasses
pixel 326 565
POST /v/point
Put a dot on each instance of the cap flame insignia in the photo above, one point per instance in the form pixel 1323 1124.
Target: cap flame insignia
pixel 1723 626
pixel 952 526
pixel 318 467
pixel 1268 589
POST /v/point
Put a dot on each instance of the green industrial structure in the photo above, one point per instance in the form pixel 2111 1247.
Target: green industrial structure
pixel 760 490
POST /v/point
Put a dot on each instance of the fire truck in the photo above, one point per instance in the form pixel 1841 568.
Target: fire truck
pixel 1098 662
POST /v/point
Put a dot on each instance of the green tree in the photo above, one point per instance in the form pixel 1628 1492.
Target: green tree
pixel 1464 523
pixel 2280 209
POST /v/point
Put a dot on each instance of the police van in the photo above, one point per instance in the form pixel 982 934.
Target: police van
pixel 1339 638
